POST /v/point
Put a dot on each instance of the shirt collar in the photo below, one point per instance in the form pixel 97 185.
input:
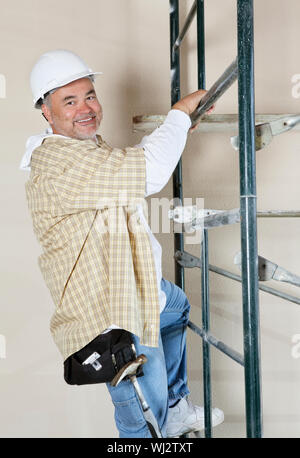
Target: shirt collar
pixel 34 142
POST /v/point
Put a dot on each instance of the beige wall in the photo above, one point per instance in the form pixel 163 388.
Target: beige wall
pixel 129 41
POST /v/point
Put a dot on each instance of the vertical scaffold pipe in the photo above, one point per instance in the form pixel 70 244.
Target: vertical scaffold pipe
pixel 248 217
pixel 175 96
pixel 204 255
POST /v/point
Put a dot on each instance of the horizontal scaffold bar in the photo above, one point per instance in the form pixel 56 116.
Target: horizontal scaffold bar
pixel 278 214
pixel 265 132
pixel 216 123
pixel 194 218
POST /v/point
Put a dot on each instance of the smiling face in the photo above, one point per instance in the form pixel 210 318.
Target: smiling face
pixel 74 110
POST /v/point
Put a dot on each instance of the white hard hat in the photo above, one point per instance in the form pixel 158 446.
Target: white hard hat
pixel 56 69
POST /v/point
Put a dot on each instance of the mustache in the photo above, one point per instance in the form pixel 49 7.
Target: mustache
pixel 88 115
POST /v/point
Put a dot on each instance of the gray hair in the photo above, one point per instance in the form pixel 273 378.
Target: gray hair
pixel 47 99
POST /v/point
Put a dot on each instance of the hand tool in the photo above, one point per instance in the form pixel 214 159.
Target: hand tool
pixel 130 371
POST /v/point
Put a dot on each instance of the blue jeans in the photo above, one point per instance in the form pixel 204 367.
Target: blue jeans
pixel 165 373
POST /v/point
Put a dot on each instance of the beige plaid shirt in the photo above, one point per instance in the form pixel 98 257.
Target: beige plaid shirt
pixel 97 260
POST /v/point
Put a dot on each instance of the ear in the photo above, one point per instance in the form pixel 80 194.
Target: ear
pixel 46 113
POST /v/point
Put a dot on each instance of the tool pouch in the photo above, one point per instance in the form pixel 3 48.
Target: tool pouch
pixel 115 349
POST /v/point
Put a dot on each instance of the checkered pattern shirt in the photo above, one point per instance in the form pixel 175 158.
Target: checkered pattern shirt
pixel 97 260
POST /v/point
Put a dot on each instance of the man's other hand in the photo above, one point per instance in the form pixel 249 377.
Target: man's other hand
pixel 189 103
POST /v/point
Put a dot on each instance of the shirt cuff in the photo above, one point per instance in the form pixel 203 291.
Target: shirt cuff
pixel 179 118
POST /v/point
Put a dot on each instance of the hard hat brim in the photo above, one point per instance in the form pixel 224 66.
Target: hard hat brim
pixel 56 85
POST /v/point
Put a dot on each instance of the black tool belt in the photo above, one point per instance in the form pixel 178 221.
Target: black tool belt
pixel 101 359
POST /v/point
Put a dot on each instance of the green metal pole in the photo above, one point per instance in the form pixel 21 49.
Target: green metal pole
pixel 201 44
pixel 206 328
pixel 204 255
pixel 175 96
pixel 248 217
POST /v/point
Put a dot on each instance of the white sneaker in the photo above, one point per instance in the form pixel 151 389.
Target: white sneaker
pixel 185 418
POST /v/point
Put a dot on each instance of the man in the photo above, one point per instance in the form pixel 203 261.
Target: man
pixel 100 259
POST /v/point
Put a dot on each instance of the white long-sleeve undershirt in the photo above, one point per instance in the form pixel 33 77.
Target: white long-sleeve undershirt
pixel 163 148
